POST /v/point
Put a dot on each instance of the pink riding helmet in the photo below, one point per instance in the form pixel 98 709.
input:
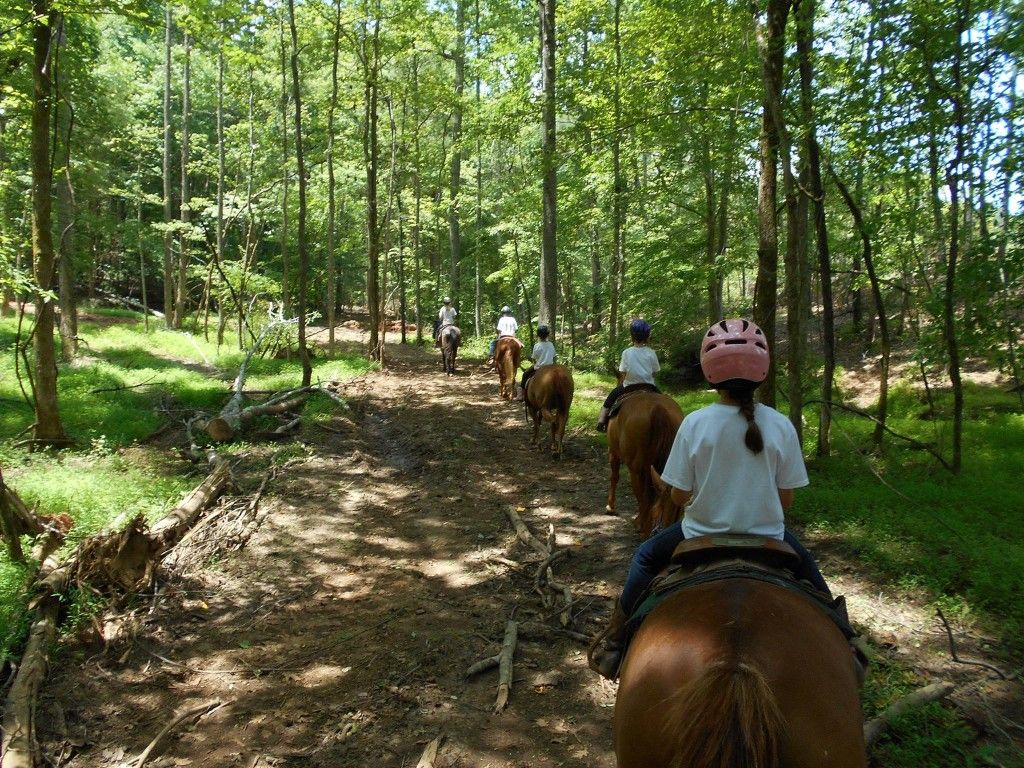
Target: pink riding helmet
pixel 734 349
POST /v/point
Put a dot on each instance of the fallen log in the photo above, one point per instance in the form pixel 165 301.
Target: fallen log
pixel 503 660
pixel 876 727
pixel 523 533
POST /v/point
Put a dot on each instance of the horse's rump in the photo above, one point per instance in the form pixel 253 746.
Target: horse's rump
pixel 451 335
pixel 550 391
pixel 506 360
pixel 738 673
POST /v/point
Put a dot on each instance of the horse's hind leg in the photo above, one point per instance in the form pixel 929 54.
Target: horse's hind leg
pixel 536 427
pixel 614 464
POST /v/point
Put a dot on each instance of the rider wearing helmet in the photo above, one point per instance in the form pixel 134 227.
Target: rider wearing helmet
pixel 445 317
pixel 507 326
pixel 638 365
pixel 733 468
pixel 543 354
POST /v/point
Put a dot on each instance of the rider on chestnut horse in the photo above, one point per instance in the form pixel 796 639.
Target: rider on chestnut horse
pixel 733 468
pixel 543 354
pixel 637 366
pixel 445 317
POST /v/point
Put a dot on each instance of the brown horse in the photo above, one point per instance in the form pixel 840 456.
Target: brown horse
pixel 641 435
pixel 738 673
pixel 548 397
pixel 506 360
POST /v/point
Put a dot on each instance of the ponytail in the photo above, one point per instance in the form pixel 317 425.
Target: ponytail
pixel 744 397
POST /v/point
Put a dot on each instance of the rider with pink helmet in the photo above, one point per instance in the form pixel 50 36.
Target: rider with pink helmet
pixel 733 468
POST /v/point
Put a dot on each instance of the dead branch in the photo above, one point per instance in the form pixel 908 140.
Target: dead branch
pixel 934 692
pixel 430 753
pixel 19 748
pixel 156 745
pixel 170 528
pixel 508 649
pixel 957 659
pixel 535 628
pixel 523 533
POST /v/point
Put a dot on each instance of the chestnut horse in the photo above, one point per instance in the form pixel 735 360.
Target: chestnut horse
pixel 506 360
pixel 549 396
pixel 451 337
pixel 641 435
pixel 738 672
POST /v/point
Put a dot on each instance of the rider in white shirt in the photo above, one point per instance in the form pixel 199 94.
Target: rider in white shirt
pixel 507 326
pixel 543 354
pixel 637 365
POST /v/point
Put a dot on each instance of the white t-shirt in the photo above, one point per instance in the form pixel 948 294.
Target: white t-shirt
pixel 734 489
pixel 507 325
pixel 543 354
pixel 447 315
pixel 639 364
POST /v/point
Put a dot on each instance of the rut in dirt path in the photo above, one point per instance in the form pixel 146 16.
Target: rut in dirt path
pixel 341 635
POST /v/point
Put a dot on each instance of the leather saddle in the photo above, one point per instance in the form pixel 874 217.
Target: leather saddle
pixel 630 391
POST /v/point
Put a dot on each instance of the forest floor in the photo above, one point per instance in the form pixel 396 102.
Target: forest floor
pixel 386 566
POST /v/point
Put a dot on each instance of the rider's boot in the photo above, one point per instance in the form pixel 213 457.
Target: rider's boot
pixel 602 420
pixel 605 654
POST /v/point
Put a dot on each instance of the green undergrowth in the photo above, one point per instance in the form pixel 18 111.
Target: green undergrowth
pixel 127 383
pixel 915 527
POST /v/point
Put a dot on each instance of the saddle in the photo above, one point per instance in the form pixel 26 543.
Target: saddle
pixel 628 392
pixel 706 559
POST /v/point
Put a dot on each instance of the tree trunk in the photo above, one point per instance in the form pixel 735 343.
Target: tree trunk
pixel 805 11
pixel 64 121
pixel 286 293
pixel 219 256
pixel 168 210
pixel 371 63
pixel 618 192
pixel 184 247
pixel 548 307
pixel 418 306
pixel 771 49
pixel 477 245
pixel 454 233
pixel 48 427
pixel 332 278
pixel 307 367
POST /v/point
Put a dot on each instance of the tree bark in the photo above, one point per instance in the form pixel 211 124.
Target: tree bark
pixel 371 64
pixel 184 247
pixel 805 10
pixel 307 367
pixel 771 50
pixel 48 427
pixel 548 307
pixel 64 123
pixel 618 193
pixel 286 292
pixel 168 210
pixel 332 298
pixel 454 231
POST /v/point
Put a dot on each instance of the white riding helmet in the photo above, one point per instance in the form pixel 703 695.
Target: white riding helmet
pixel 506 310
pixel 447 300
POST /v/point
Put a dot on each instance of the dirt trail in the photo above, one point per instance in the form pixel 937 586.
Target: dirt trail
pixel 342 633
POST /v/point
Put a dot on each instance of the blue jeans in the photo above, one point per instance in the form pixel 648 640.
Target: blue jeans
pixel 494 343
pixel 654 555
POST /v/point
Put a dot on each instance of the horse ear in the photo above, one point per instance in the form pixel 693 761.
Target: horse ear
pixel 658 482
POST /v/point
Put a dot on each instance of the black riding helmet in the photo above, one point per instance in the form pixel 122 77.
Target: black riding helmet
pixel 543 331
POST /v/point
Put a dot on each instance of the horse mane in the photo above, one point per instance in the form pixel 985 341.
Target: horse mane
pixel 726 717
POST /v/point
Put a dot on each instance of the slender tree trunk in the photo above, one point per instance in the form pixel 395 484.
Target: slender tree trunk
pixel 805 10
pixel 479 239
pixel 286 285
pixel 953 174
pixel 618 193
pixel 332 278
pixel 168 209
pixel 307 367
pixel 548 307
pixel 184 247
pixel 219 255
pixel 64 122
pixel 1006 300
pixel 371 63
pixel 142 255
pixel 771 48
pixel 250 229
pixel 48 427
pixel 454 232
pixel 418 306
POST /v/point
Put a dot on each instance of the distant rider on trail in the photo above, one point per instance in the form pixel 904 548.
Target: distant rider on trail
pixel 445 317
pixel 543 354
pixel 507 326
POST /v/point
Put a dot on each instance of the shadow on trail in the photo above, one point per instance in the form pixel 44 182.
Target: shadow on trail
pixel 343 632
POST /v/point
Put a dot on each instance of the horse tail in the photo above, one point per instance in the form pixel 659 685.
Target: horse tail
pixel 727 716
pixel 661 437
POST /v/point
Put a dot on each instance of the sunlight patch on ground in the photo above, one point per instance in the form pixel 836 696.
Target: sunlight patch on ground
pixel 455 573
